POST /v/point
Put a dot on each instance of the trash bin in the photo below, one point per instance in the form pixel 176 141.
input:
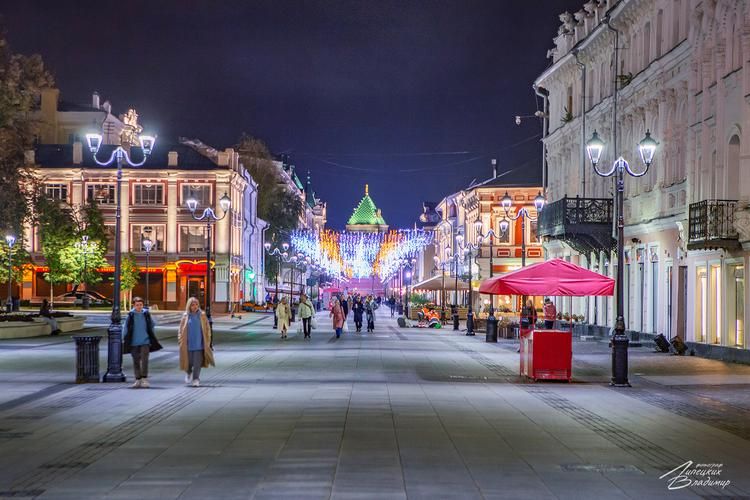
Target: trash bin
pixel 87 358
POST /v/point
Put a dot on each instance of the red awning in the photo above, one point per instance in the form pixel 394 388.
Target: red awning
pixel 554 277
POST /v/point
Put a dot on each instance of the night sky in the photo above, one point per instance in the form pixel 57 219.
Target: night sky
pixel 412 97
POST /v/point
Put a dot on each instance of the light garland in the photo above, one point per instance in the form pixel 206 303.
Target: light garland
pixel 346 255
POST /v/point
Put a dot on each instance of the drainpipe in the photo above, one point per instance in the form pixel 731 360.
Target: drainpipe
pixel 583 123
pixel 544 94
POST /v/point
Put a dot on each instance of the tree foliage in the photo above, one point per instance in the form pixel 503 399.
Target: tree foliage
pixel 129 276
pixel 21 79
pixel 278 204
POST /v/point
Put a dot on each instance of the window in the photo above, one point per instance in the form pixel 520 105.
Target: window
pixel 659 34
pixel 533 236
pixel 701 313
pixel 503 237
pixel 193 238
pixel 149 194
pixel 56 191
pixel 154 232
pixel 201 193
pixel 676 12
pixel 103 194
pixel 110 238
pixel 647 45
pixel 654 294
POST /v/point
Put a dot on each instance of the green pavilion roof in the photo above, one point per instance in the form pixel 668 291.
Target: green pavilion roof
pixel 366 212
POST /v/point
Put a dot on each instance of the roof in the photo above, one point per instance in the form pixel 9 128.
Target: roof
pixel 429 216
pixel 527 174
pixel 61 155
pixel 71 106
pixel 366 212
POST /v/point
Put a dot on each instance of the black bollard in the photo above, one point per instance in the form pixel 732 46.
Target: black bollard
pixel 491 335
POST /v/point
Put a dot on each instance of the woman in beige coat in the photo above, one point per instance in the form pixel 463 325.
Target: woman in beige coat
pixel 283 315
pixel 195 340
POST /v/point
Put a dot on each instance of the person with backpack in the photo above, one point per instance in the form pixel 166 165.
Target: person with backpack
pixel 140 340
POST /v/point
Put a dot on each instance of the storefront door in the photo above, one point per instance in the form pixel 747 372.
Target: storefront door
pixel 196 289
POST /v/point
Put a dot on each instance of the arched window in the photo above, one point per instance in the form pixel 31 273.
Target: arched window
pixel 733 168
pixel 646 45
pixel 676 12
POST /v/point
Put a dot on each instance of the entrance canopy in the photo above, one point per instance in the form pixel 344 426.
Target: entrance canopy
pixel 554 277
pixel 436 283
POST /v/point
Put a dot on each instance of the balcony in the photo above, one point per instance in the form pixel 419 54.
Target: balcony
pixel 585 224
pixel 711 225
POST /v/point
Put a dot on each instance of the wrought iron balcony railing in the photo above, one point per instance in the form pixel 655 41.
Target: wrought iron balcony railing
pixel 711 225
pixel 583 223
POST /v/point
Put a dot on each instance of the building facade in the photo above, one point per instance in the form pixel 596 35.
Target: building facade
pixel 458 213
pixel 153 204
pixel 678 69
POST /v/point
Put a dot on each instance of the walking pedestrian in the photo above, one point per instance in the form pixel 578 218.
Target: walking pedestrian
pixel 550 313
pixel 283 314
pixel 370 306
pixel 392 304
pixel 140 340
pixel 306 312
pixel 345 304
pixel 337 313
pixel 195 342
pixel 358 308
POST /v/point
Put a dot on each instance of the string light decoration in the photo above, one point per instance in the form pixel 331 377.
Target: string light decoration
pixel 345 255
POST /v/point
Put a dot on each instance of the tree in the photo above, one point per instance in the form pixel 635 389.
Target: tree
pixel 21 80
pixel 61 230
pixel 129 277
pixel 278 205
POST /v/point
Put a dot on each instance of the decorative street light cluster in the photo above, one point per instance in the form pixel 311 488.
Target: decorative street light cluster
pixel 148 245
pixel 114 332
pixel 397 246
pixel 595 148
pixel 208 215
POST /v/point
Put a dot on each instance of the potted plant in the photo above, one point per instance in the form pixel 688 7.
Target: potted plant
pixel 504 329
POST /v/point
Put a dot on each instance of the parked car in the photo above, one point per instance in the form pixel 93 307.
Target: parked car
pixel 95 298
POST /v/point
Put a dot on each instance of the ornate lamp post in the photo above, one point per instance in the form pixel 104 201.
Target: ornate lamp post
pixel 408 264
pixel 83 245
pixel 594 148
pixel 210 217
pixel 491 335
pixel 10 240
pixel 523 214
pixel 468 249
pixel 441 266
pixel 279 256
pixel 114 332
pixel 148 244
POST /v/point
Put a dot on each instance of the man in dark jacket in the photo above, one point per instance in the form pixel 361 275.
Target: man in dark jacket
pixel 140 340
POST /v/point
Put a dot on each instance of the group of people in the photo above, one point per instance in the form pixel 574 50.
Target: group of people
pixel 361 309
pixel 305 310
pixel 529 314
pixel 194 338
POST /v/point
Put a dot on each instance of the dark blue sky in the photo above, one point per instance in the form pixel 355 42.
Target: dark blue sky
pixel 355 91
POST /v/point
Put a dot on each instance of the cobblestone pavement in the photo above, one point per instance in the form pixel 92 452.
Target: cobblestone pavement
pixel 401 413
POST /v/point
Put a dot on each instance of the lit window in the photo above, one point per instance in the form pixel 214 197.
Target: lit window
pixel 201 193
pixel 153 232
pixel 149 194
pixel 56 191
pixel 192 238
pixel 103 194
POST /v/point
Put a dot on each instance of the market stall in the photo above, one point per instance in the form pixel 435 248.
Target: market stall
pixel 548 354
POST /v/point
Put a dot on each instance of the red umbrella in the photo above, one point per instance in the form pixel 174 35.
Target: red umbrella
pixel 553 277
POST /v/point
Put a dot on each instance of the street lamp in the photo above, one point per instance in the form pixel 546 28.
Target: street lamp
pixel 523 214
pixel 594 148
pixel 83 245
pixel 114 332
pixel 10 240
pixel 467 251
pixel 490 235
pixel 210 217
pixel 148 244
pixel 279 257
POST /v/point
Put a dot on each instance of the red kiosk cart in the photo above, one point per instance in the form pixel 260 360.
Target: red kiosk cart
pixel 548 354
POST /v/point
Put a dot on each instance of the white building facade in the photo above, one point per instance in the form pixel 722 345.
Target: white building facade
pixel 678 69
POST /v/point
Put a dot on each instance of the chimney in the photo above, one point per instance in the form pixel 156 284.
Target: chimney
pixel 222 158
pixel 50 96
pixel 95 100
pixel 494 168
pixel 107 107
pixel 77 153
pixel 29 157
pixel 172 159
